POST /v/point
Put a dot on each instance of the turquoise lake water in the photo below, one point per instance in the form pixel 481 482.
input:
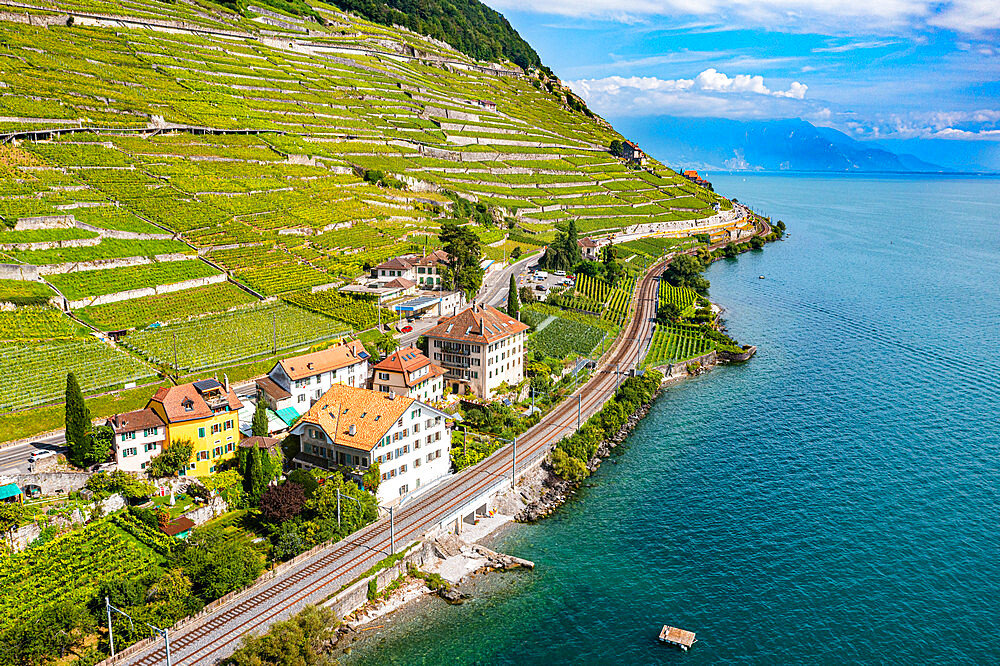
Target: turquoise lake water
pixel 836 500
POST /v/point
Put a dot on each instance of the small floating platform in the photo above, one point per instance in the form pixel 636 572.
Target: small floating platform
pixel 760 277
pixel 677 637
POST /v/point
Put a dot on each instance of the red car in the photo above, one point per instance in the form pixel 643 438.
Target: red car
pixel 406 329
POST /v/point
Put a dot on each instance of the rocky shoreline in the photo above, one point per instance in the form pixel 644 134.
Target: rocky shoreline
pixel 545 491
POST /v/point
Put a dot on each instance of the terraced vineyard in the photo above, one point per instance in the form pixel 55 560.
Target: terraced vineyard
pixel 70 568
pixel 569 334
pixel 620 300
pixel 248 141
pixel 35 372
pixel 673 344
pixel 683 297
pixel 216 340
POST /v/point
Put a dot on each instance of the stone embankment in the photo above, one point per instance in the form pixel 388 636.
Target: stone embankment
pixel 544 491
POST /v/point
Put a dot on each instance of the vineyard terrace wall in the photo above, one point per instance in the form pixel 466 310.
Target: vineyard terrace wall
pixel 146 291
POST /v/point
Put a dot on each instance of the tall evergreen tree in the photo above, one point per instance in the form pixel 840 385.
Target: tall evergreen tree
pixel 258 427
pixel 77 421
pixel 254 482
pixel 512 305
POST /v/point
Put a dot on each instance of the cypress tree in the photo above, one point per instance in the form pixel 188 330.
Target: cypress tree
pixel 253 476
pixel 258 427
pixel 77 421
pixel 512 305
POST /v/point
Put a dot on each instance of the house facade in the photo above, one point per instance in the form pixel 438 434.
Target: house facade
pixel 409 373
pixel 349 429
pixel 139 437
pixel 480 348
pixel 206 413
pixel 423 271
pixel 589 249
pixel 299 381
pixel 633 153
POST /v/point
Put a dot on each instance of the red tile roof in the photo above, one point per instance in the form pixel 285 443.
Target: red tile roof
pixel 176 401
pixel 334 358
pixel 434 258
pixel 260 442
pixel 400 283
pixel 407 361
pixel 479 324
pixel 586 242
pixel 371 413
pixel 395 264
pixel 175 527
pixel 270 388
pixel 131 421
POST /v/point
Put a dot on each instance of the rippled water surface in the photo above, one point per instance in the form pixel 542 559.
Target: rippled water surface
pixel 835 500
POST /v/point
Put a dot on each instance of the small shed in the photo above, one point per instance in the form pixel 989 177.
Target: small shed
pixel 11 493
pixel 180 528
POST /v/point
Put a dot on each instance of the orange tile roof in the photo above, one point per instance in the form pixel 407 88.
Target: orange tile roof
pixel 371 413
pixel 395 263
pixel 434 258
pixel 477 323
pixel 175 401
pixel 586 242
pixel 131 421
pixel 334 358
pixel 691 174
pixel 406 361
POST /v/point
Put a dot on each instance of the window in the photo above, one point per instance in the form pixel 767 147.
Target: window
pixel 416 463
pixel 437 454
pixel 228 425
pixel 229 447
pixel 302 397
pixel 402 469
pixel 383 375
pixel 437 436
pixel 150 431
pixel 202 455
pixel 406 449
pixel 403 489
pixel 201 432
pixel 217 451
pixel 131 451
pixel 216 427
pixel 149 447
pixel 128 435
pixel 383 388
pixel 416 428
pixel 388 455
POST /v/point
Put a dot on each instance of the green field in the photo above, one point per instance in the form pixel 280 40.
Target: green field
pixel 38 323
pixel 217 340
pixel 82 284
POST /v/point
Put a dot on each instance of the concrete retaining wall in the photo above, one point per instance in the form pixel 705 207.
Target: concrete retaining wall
pixel 355 596
pixel 98 264
pixel 147 291
pixel 45 222
pixel 18 272
pixel 50 483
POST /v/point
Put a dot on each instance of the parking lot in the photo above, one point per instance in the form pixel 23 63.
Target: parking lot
pixel 542 282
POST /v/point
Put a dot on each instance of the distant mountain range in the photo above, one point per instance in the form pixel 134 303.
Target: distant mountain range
pixel 771 145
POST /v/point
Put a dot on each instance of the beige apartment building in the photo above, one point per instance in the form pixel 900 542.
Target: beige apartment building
pixel 408 372
pixel 480 348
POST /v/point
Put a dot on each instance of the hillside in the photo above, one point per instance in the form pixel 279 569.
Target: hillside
pixel 169 161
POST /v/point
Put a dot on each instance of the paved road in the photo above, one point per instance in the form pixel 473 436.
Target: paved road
pixel 497 283
pixel 214 636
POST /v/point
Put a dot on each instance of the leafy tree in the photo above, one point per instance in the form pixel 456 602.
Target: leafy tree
pixel 372 478
pixel 173 458
pixel 77 422
pixel 615 148
pixel 668 313
pixel 258 427
pixel 11 514
pixel 612 269
pixel 282 502
pixel 228 484
pixel 564 252
pixel 527 296
pixel 127 484
pixel 305 479
pixel 218 564
pixel 516 253
pixel 288 540
pixel 387 344
pixel 685 271
pixel 512 306
pixel 57 629
pixel 567 466
pixel 757 243
pixel 297 641
pixel 730 251
pixel 464 252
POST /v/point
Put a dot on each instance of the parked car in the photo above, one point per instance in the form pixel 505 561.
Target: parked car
pixel 406 329
pixel 39 455
pixel 541 287
pixel 559 273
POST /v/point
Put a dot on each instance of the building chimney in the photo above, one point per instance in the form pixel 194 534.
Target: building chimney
pixel 351 430
pixel 392 395
pixel 226 376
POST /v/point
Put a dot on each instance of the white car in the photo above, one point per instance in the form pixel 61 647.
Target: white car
pixel 559 273
pixel 40 454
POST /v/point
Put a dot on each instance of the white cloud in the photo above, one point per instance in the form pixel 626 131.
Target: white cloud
pixel 965 16
pixel 710 93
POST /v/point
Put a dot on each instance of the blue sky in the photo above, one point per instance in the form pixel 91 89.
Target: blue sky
pixel 913 75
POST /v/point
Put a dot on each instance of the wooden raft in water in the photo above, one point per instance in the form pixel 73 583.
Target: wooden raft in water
pixel 676 637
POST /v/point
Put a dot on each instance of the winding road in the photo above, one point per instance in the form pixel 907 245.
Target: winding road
pixel 215 635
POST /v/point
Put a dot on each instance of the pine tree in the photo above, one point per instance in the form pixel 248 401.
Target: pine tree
pixel 77 421
pixel 258 427
pixel 512 305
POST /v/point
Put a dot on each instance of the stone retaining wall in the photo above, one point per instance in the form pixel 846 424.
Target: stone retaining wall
pixel 18 272
pixel 147 291
pixel 98 264
pixel 356 596
pixel 49 482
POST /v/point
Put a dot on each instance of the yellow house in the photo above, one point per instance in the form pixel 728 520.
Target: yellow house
pixel 204 412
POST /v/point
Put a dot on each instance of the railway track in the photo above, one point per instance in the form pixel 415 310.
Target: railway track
pixel 216 635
